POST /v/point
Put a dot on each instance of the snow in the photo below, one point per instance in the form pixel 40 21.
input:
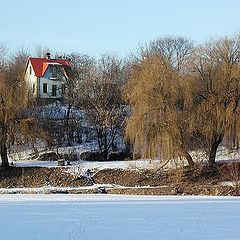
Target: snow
pixel 24 154
pixel 58 111
pixel 51 189
pixel 223 154
pixel 23 159
pixel 108 217
pixel 230 183
pixel 94 165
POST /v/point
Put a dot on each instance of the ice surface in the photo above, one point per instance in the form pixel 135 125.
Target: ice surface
pixel 112 217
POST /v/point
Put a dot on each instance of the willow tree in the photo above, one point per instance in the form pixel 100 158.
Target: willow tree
pixel 217 76
pixel 13 99
pixel 161 123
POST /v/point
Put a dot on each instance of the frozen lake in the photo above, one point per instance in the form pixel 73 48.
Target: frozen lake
pixel 111 217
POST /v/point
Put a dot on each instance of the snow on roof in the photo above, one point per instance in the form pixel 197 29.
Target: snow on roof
pixel 40 64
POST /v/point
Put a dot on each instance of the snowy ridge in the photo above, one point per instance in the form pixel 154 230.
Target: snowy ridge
pixel 51 189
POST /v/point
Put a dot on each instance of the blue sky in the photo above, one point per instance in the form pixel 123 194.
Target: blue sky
pixel 111 26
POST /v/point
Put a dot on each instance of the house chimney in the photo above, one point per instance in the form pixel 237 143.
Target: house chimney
pixel 48 55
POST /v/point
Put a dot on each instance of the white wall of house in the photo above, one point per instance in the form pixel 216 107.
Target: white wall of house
pixel 31 80
pixel 50 81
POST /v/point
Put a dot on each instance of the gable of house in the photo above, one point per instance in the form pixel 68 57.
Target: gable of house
pixel 47 77
pixel 40 65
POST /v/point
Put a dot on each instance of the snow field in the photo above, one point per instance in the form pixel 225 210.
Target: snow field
pixel 22 159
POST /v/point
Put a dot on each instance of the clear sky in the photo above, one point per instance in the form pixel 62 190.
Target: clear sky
pixel 112 26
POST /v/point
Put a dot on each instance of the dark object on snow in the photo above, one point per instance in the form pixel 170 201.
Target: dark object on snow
pixel 119 156
pixel 68 163
pixel 47 180
pixel 61 162
pixel 50 156
pixel 57 191
pixel 89 177
pixel 97 156
pixel 101 190
pixel 92 156
pixel 177 191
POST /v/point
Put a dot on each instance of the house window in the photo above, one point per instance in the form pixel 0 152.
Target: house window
pixel 54 90
pixel 44 87
pixel 33 88
pixel 54 71
pixel 30 70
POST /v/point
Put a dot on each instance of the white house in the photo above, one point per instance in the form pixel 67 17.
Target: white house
pixel 46 77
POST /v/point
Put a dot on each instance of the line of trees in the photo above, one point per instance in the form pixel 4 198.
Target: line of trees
pixel 168 99
pixel 185 97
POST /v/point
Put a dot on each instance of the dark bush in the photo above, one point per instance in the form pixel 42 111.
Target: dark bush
pixel 118 156
pixel 50 156
pixel 92 156
pixel 71 157
pixel 97 156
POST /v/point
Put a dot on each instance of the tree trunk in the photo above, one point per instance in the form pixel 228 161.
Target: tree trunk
pixel 105 152
pixel 68 114
pixel 185 153
pixel 213 150
pixel 188 158
pixel 99 138
pixel 79 137
pixel 3 146
pixel 67 125
pixel 3 153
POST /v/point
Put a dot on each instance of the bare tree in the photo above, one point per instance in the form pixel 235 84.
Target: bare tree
pixel 81 69
pixel 102 101
pixel 176 50
pixel 3 53
pixel 41 51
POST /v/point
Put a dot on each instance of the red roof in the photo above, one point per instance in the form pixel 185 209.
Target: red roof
pixel 40 64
